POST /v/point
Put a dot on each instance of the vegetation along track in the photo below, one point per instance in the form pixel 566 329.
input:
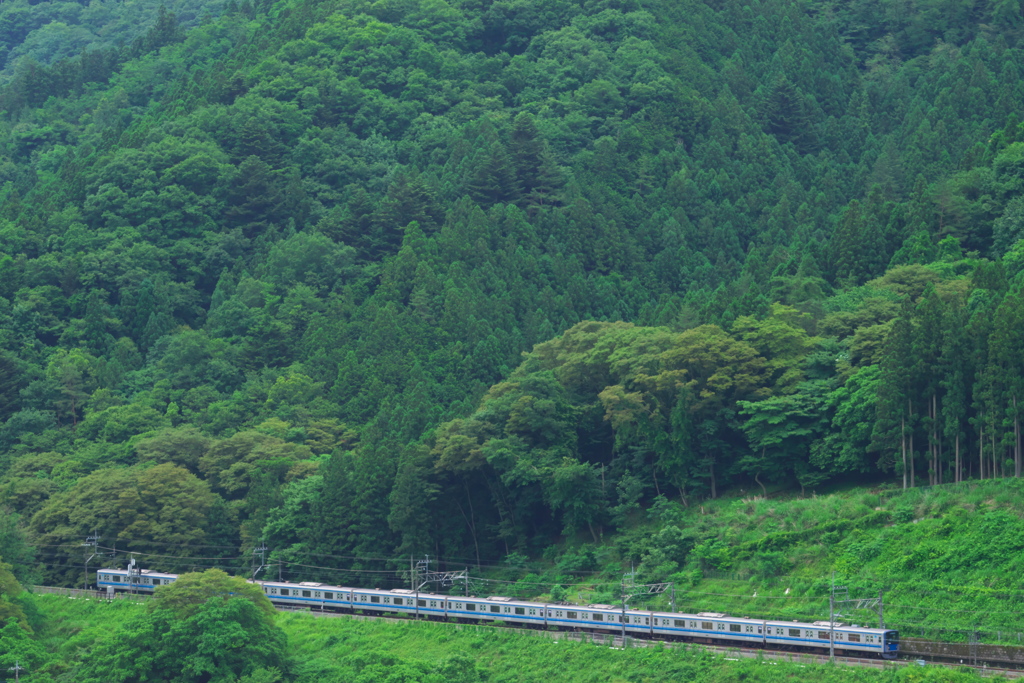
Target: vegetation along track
pixel 938 652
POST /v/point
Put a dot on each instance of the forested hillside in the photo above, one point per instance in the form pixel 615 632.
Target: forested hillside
pixel 372 279
pixel 100 33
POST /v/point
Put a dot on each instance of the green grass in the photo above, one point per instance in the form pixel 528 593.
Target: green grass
pixel 371 651
pixel 948 559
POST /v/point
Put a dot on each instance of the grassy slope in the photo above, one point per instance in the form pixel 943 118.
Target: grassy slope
pixel 949 557
pixel 346 650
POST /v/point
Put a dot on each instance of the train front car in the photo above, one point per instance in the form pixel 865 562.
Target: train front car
pixel 890 644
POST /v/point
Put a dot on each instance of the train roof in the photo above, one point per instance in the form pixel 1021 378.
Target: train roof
pixel 143 572
pixel 719 616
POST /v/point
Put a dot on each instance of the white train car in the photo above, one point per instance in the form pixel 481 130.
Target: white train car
pixel 117 579
pixel 848 639
pixel 710 627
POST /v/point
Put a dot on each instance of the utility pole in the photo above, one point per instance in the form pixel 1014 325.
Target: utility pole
pixel 134 575
pixel 623 617
pixel 17 669
pixel 881 618
pixel 425 564
pixel 262 552
pixel 91 541
pixel 832 621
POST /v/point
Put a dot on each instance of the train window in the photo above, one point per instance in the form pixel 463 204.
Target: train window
pixel 736 628
pixel 822 635
pixel 706 625
pixel 749 628
pixel 495 608
pixel 597 617
pixel 328 596
pixel 422 603
pixel 273 591
pixel 721 627
pixel 506 610
pixel 317 594
pixel 854 637
pixel 470 607
pixel 680 623
pixel 374 598
pixel 398 601
pixel 533 612
pixel 433 603
pixel 647 621
pixel 307 594
pixel 520 610
pixel 570 615
pixel 284 591
pixel 794 632
pixel 558 614
pixel 387 600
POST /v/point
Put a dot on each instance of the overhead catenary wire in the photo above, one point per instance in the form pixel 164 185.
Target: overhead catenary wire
pixel 234 562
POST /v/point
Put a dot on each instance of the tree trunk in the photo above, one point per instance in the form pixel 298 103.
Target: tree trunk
pixel 757 478
pixel 936 447
pixel 956 475
pixel 981 446
pixel 593 535
pixel 996 467
pixel 714 488
pixel 931 444
pixel 913 473
pixel 1016 439
pixel 470 521
pixel 903 447
pixel 654 471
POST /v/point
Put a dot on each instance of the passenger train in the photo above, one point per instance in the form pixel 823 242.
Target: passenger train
pixel 704 627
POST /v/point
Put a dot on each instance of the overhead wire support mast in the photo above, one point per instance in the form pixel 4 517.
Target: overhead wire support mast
pixel 443 579
pixel 91 541
pixel 262 552
pixel 839 599
pixel 17 669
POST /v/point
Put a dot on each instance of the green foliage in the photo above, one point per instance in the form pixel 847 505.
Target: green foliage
pixel 10 590
pixel 268 270
pixel 216 640
pixel 191 591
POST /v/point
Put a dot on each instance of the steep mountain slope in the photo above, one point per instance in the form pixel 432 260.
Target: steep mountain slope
pixel 271 276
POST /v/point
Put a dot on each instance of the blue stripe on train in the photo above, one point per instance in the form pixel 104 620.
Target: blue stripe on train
pixel 380 607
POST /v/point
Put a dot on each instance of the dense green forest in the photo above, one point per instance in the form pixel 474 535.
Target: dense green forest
pixel 365 280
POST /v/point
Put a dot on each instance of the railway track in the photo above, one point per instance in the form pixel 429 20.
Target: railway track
pixel 770 657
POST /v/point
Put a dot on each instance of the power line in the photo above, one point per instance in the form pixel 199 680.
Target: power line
pixel 178 557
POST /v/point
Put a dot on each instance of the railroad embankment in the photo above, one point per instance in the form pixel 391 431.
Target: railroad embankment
pixel 365 651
